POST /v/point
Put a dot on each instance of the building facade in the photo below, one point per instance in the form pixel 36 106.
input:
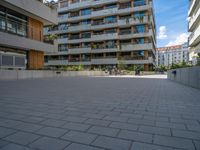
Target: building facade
pixel 21 33
pixel 167 56
pixel 99 33
pixel 194 29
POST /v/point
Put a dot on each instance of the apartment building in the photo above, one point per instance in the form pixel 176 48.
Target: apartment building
pixel 194 29
pixel 99 33
pixel 21 33
pixel 166 56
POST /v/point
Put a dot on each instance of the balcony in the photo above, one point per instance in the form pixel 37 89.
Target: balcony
pixel 133 21
pixel 194 20
pixel 102 37
pixel 104 61
pixel 79 50
pixel 56 63
pixel 136 47
pixel 78 5
pixel 77 61
pixel 22 36
pixel 62 41
pixel 79 28
pixel 105 12
pixel 84 4
pixel 128 35
pixel 137 60
pixel 34 9
pixel 194 38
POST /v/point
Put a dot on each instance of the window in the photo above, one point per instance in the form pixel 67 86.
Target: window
pixel 62 47
pixel 139 28
pixel 139 3
pixel 139 14
pixel 111 19
pixel 85 12
pixel 85 22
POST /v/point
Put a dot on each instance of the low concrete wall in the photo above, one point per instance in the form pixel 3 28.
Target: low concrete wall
pixel 188 76
pixel 30 74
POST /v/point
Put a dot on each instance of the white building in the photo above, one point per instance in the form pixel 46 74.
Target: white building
pixel 97 33
pixel 166 56
pixel 194 29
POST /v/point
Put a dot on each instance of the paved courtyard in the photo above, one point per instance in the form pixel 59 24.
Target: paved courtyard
pixel 98 114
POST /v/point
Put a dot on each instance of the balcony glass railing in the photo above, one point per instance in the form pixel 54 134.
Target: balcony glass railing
pixel 22 29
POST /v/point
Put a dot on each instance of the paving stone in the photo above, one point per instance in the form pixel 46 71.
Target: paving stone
pixel 197 144
pixel 170 125
pixel 15 147
pixel 142 122
pixel 29 127
pixel 186 134
pixel 3 143
pixel 194 128
pixel 98 122
pixel 79 137
pixel 52 132
pixel 53 122
pixel 33 119
pixel 144 146
pixel 76 126
pixel 112 143
pixel 174 142
pixel 126 126
pixel 116 118
pixel 155 130
pixel 22 138
pixel 46 143
pixel 135 136
pixel 75 119
pixel 103 131
pixel 75 146
pixel 5 132
pixel 93 116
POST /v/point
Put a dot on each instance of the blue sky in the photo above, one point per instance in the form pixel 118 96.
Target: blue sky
pixel 171 21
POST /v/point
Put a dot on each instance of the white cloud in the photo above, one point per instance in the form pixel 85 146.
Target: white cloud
pixel 180 39
pixel 162 33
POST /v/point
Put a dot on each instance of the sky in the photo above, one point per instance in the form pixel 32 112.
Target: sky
pixel 171 21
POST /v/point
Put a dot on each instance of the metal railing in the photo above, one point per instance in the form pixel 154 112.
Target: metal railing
pixel 21 29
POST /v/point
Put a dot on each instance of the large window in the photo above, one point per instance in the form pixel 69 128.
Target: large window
pixel 13 22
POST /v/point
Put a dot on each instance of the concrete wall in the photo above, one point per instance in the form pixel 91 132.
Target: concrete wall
pixel 30 74
pixel 188 76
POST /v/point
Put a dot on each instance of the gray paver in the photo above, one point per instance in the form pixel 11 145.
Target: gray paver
pixel 3 143
pixel 122 112
pixel 22 138
pixel 79 137
pixel 103 131
pixel 186 134
pixel 15 147
pixel 112 143
pixel 144 146
pixel 76 126
pixel 126 126
pixel 174 142
pixel 97 122
pixel 53 122
pixel 155 130
pixel 135 136
pixel 5 132
pixel 75 146
pixel 52 132
pixel 46 143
